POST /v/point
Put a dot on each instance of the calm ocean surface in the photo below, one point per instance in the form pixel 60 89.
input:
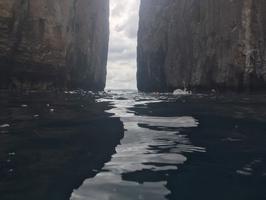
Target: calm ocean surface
pixel 125 145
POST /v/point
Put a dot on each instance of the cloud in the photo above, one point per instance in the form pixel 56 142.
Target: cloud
pixel 122 46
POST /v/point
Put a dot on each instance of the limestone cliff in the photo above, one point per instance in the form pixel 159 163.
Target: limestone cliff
pixel 202 44
pixel 53 43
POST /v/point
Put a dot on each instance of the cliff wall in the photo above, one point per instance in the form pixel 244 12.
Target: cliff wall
pixel 48 44
pixel 202 45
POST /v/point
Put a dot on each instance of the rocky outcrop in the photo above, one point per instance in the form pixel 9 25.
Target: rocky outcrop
pixel 202 45
pixel 48 44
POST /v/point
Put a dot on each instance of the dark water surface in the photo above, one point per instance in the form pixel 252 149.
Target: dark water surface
pixel 145 146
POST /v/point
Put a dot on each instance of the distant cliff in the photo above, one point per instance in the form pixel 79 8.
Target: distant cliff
pixel 48 44
pixel 202 44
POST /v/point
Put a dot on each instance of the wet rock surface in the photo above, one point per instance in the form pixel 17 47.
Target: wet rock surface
pixel 53 44
pixel 202 45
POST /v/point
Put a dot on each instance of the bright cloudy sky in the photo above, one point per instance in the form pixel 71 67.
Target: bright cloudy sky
pixel 121 65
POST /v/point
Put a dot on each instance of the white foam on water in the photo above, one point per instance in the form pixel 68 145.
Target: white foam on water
pixel 182 92
pixel 4 125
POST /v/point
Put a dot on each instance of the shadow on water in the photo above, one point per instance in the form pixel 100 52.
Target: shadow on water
pixel 50 143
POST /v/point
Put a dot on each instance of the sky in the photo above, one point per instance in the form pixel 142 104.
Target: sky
pixel 121 66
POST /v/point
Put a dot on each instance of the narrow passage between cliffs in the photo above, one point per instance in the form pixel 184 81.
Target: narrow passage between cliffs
pixel 121 67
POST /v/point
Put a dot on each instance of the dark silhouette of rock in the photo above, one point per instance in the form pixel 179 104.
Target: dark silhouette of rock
pixel 202 45
pixel 53 43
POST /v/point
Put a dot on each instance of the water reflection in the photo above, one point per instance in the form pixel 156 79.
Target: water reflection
pixel 151 144
pixel 174 147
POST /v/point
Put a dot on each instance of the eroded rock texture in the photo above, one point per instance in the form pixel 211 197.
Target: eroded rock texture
pixel 202 44
pixel 53 43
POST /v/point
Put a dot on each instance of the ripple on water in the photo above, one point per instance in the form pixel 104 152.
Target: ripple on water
pixel 151 143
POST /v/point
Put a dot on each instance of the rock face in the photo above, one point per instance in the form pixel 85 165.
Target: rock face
pixel 53 43
pixel 202 45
